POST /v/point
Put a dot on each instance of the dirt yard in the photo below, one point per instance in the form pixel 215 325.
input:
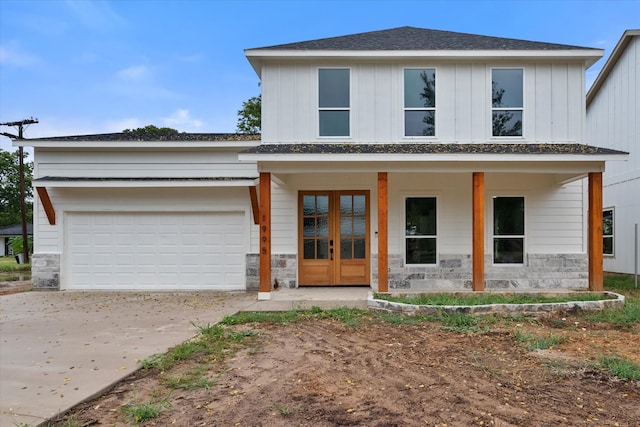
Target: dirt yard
pixel 319 372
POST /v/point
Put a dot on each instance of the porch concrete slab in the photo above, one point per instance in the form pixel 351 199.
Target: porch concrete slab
pixel 58 349
pixel 307 297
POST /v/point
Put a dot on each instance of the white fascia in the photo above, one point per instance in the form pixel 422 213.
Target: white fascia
pixel 173 145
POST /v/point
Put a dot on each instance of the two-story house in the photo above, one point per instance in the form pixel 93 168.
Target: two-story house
pixel 405 159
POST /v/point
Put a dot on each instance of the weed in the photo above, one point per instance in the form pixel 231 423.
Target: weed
pixel 460 322
pixel 620 367
pixel 192 380
pixel 139 412
pixel 284 411
pixel 538 343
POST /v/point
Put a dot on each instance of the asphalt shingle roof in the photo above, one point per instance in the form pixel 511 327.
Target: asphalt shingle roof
pixel 425 148
pixel 137 136
pixel 412 38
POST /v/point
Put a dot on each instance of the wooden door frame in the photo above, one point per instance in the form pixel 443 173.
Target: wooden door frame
pixel 334 234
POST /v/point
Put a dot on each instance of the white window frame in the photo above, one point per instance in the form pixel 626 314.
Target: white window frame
pixel 493 236
pixel 404 232
pixel 405 108
pixel 348 109
pixel 612 236
pixel 492 108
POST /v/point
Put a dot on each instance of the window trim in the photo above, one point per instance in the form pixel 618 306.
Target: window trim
pixel 491 224
pixel 404 231
pixel 611 236
pixel 404 108
pixel 492 108
pixel 347 109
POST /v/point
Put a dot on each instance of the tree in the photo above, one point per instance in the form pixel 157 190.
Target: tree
pixel 151 130
pixel 10 188
pixel 250 115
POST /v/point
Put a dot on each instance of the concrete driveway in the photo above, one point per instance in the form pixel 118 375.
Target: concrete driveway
pixel 60 348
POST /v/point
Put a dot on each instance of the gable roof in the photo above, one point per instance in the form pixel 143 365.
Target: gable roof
pixel 608 67
pixel 412 38
pixel 15 230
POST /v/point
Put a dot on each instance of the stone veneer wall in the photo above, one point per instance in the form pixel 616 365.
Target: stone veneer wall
pixel 540 271
pixel 45 272
pixel 284 268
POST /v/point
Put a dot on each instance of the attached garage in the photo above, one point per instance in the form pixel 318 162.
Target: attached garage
pixel 156 250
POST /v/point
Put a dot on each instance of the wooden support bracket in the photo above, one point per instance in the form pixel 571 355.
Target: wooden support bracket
pixel 253 193
pixel 46 204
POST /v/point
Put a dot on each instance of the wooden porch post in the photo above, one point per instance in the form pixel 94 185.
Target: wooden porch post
pixel 265 236
pixel 383 234
pixel 477 276
pixel 596 277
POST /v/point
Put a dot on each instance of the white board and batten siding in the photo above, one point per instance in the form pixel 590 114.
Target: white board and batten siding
pixel 129 163
pixel 463 102
pixel 613 121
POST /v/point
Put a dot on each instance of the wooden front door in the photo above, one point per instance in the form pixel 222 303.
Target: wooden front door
pixel 333 236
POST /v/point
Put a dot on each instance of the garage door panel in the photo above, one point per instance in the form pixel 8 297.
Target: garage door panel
pixel 165 251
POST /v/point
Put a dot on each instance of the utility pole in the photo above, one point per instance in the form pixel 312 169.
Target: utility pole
pixel 23 208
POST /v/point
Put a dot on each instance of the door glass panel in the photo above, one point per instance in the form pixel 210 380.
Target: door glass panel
pixel 359 227
pixel 309 227
pixel 346 224
pixel 345 205
pixel 322 229
pixel 309 205
pixel 309 249
pixel 323 249
pixel 345 249
pixel 359 205
pixel 359 249
pixel 322 205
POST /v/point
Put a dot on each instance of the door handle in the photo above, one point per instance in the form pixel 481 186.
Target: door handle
pixel 331 253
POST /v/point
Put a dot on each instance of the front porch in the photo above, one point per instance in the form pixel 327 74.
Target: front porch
pixel 465 186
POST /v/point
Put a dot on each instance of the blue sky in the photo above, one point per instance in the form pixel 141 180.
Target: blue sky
pixel 94 66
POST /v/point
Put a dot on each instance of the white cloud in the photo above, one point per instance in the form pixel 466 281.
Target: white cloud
pixel 12 54
pixel 182 121
pixel 136 72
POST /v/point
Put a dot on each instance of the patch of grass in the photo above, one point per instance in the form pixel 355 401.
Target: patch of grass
pixel 620 367
pixel 460 322
pixel 539 343
pixel 442 299
pixel 8 264
pixel 192 380
pixel 619 281
pixel 139 412
pixel 401 319
pixel 629 315
pixel 212 340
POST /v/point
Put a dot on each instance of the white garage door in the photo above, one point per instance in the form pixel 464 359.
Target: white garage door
pixel 156 251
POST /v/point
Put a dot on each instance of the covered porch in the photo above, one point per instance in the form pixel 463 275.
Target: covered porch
pixel 391 168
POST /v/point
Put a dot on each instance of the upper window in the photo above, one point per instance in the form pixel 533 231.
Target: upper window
pixel 333 101
pixel 508 230
pixel 420 102
pixel 420 230
pixel 507 101
pixel 607 231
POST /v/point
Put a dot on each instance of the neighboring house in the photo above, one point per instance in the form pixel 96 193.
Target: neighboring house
pixel 405 160
pixel 8 232
pixel 613 120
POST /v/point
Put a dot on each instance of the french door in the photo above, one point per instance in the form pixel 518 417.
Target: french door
pixel 333 238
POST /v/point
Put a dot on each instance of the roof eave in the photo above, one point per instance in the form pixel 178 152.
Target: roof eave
pixel 617 52
pixel 588 56
pixel 44 143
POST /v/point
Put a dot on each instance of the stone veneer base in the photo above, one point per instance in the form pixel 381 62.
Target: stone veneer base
pixel 45 271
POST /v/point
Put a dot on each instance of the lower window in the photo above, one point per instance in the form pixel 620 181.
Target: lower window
pixel 607 231
pixel 508 230
pixel 420 230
